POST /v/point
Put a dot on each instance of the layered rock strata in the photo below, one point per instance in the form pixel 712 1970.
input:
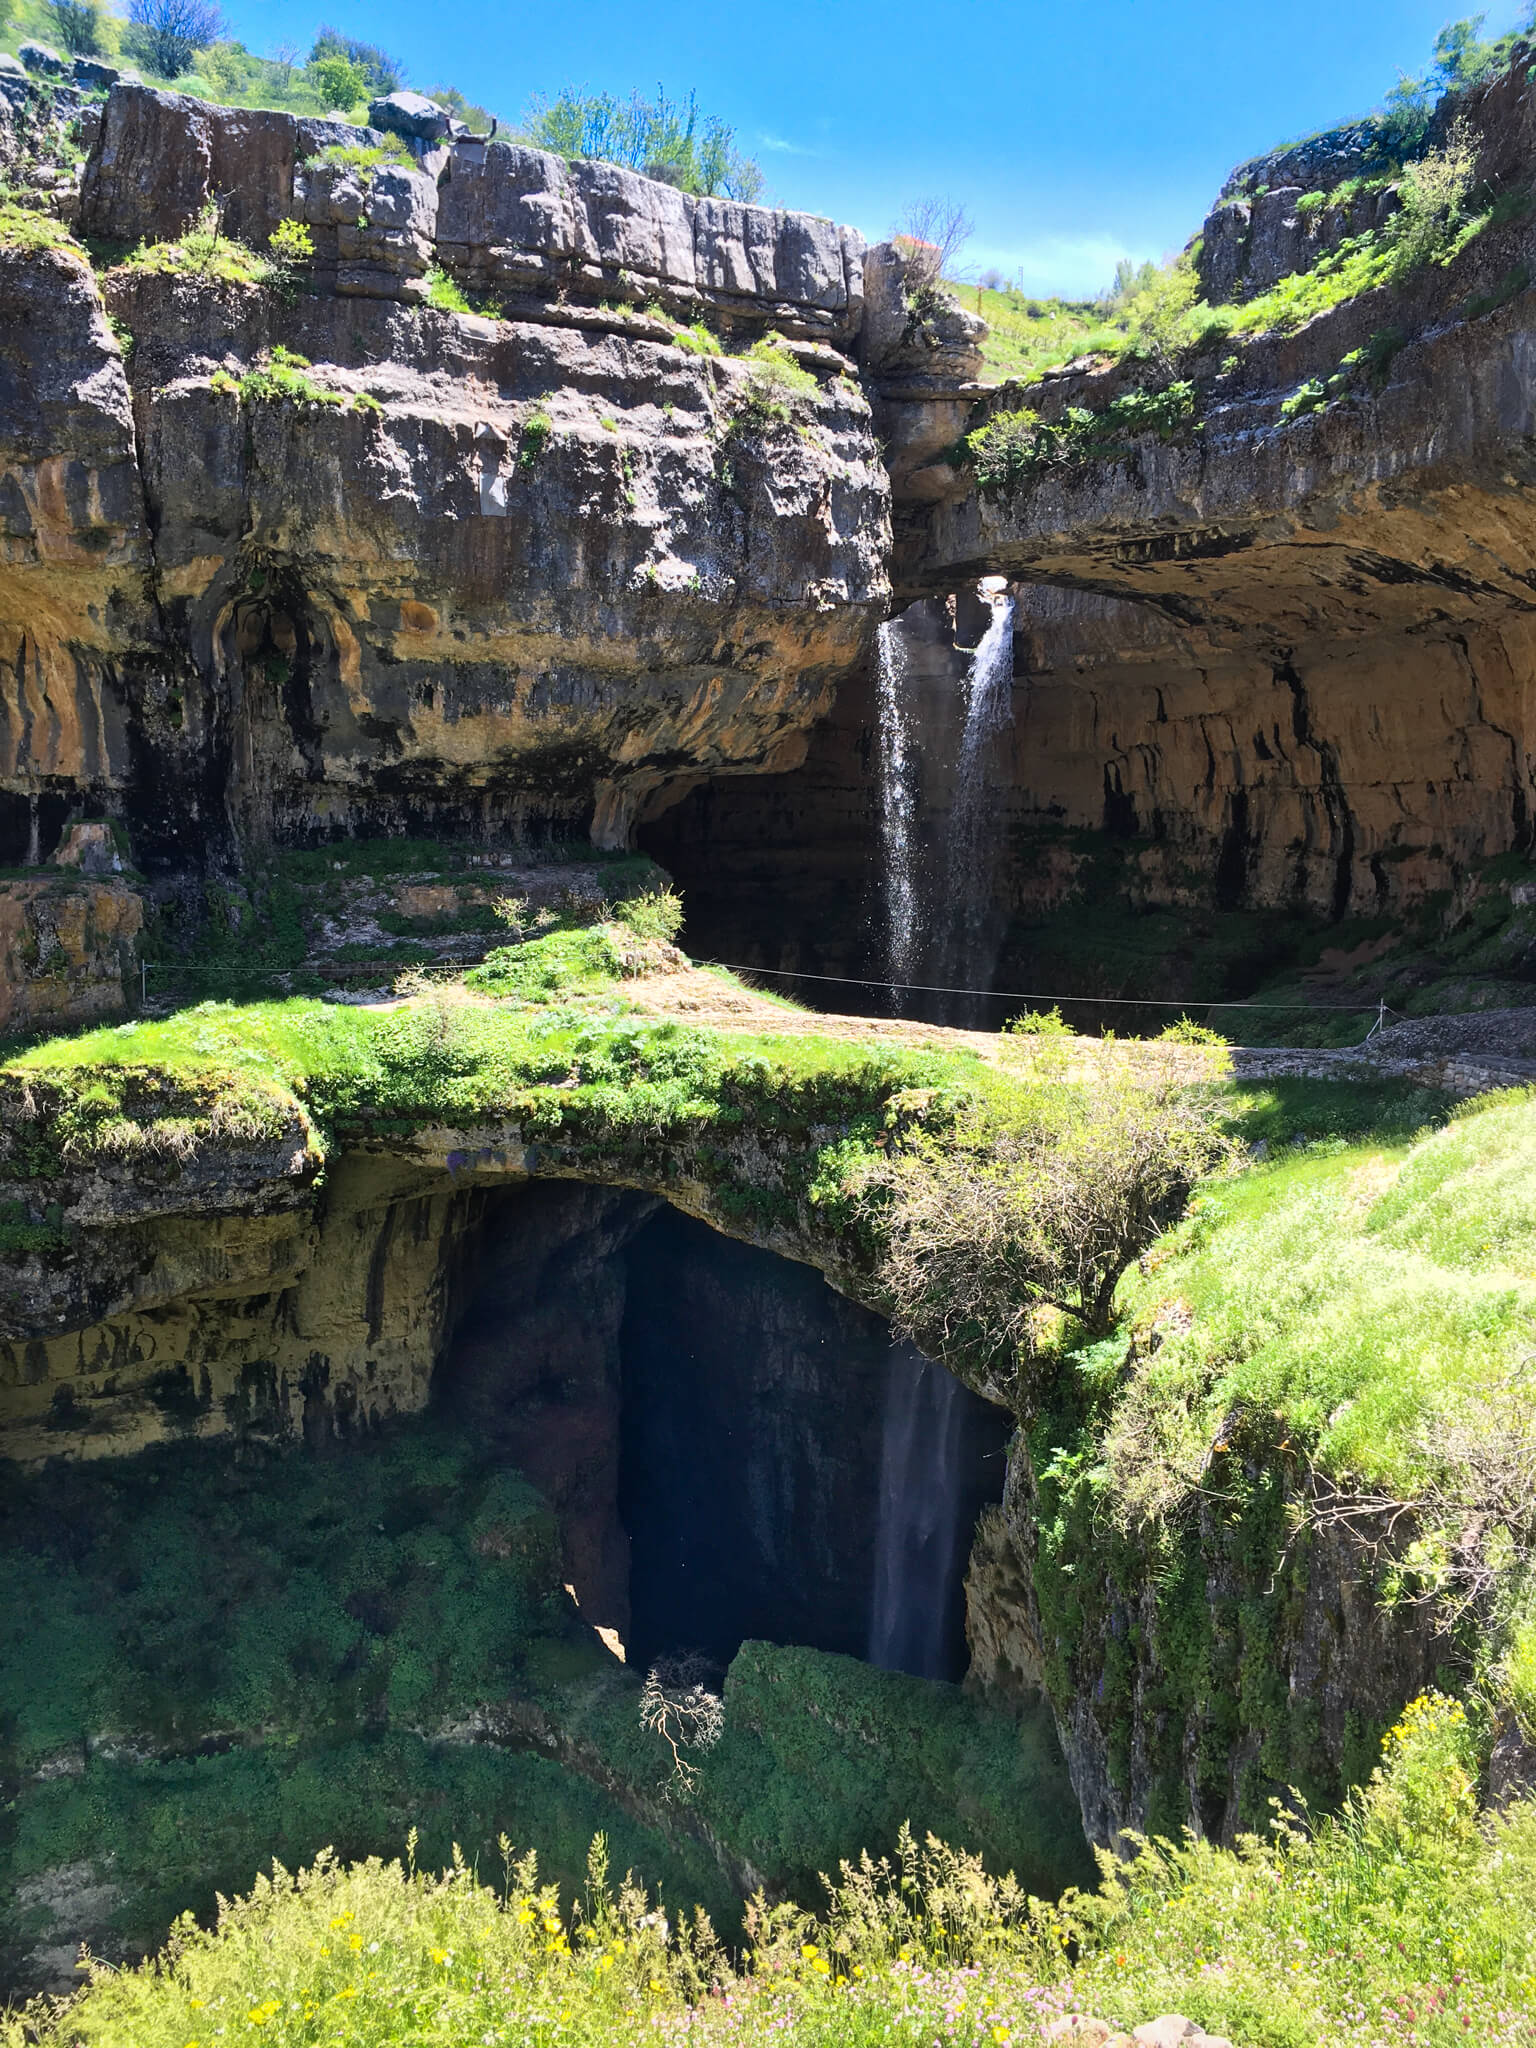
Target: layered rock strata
pixel 467 573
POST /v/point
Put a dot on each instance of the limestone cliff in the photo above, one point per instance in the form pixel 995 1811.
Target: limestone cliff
pixel 491 574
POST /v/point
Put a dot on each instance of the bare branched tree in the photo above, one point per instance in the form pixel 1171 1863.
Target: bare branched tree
pixel 171 32
pixel 676 1705
pixel 931 235
pixel 284 56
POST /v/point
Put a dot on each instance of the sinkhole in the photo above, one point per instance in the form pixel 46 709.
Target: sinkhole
pixel 733 1450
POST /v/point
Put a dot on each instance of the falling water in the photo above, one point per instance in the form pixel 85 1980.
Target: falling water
pixel 898 801
pixel 970 855
pixel 917 1535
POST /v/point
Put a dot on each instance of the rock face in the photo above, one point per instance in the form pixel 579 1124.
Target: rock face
pixel 1281 1669
pixel 516 574
pixel 68 951
pixel 504 218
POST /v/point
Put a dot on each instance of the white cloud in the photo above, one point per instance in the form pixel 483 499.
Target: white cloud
pixel 785 148
pixel 1069 266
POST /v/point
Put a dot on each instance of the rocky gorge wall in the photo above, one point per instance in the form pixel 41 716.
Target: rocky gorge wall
pixel 512 575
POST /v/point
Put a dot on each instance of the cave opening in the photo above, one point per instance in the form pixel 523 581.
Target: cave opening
pixel 733 1450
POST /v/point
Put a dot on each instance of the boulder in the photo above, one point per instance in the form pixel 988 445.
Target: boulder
pixel 45 62
pixel 95 74
pixel 12 67
pixel 411 114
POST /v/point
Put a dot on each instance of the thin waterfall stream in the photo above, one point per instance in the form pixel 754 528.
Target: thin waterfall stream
pixel 898 805
pixel 970 856
pixel 922 1504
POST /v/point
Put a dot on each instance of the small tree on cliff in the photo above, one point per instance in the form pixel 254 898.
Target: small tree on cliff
pixel 171 32
pixel 987 1226
pixel 931 236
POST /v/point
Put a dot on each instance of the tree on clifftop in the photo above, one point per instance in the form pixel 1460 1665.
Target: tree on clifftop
pixel 169 33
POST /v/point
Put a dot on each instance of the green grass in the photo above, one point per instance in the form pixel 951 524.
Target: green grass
pixel 1361 1296
pixel 1027 336
pixel 21 228
pixel 1411 1916
pixel 364 158
pixel 204 251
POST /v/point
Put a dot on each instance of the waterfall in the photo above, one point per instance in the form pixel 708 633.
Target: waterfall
pixel 917 1535
pixel 898 801
pixel 971 854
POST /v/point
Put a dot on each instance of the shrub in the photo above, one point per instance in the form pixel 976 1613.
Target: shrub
pixel 1311 397
pixel 291 244
pixel 204 251
pixel 697 339
pixel 1046 1209
pixel 775 381
pixel 1013 448
pixel 338 81
pixel 380 72
pixel 1433 193
pixel 171 32
pixel 1311 204
pixel 537 429
pixel 280 376
pixel 653 914
pixel 444 294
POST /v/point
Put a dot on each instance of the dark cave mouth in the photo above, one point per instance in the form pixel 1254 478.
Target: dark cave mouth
pixel 733 1450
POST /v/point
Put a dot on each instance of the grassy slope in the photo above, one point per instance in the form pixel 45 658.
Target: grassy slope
pixel 1363 1293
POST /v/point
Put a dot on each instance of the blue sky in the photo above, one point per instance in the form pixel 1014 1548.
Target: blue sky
pixel 1072 133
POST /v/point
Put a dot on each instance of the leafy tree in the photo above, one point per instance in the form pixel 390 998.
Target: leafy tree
pixel 169 33
pixel 77 25
pixel 339 82
pixel 666 139
pixel 382 73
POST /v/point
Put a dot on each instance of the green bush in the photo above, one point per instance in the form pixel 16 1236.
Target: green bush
pixel 775 381
pixel 1014 448
pixel 283 375
pixel 338 81
pixel 206 252
pixel 697 339
pixel 444 294
pixel 652 914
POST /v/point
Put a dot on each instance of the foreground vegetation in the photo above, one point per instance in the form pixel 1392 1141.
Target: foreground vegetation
pixel 1408 1917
